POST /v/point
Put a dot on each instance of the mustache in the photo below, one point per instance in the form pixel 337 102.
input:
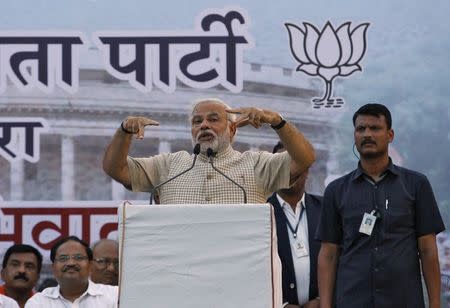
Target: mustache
pixel 204 133
pixel 368 141
pixel 70 267
pixel 21 276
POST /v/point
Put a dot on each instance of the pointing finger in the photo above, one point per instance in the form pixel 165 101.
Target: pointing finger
pixel 147 121
pixel 257 120
pixel 142 124
pixel 140 133
pixel 242 120
pixel 235 111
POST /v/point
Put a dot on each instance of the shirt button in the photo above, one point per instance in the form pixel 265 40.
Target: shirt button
pixel 209 176
pixel 376 249
pixel 376 270
pixel 208 198
pixel 292 285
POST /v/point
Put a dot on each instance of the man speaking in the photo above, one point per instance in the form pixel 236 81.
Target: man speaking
pixel 217 174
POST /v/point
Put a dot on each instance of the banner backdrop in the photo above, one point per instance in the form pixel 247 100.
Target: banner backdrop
pixel 71 71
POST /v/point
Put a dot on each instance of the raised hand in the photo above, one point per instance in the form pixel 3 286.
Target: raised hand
pixel 136 125
pixel 255 116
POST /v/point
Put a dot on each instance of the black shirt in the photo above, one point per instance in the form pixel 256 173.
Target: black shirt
pixel 380 270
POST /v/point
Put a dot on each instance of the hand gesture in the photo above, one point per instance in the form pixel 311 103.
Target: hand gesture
pixel 136 125
pixel 255 116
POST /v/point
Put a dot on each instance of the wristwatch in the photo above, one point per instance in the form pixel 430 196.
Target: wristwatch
pixel 280 125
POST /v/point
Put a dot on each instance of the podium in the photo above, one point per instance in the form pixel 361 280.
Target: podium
pixel 200 256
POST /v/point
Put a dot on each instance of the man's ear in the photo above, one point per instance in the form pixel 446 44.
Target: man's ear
pixel 233 129
pixel 391 135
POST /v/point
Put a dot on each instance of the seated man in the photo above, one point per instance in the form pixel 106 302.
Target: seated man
pixel 20 271
pixel 71 263
pixel 213 127
pixel 105 265
pixel 297 215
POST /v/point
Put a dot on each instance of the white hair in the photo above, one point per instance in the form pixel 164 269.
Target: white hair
pixel 231 117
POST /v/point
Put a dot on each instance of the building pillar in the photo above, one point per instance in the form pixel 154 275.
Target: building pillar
pixel 67 168
pixel 17 177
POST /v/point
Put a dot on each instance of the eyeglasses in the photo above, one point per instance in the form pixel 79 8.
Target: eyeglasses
pixel 65 258
pixel 105 262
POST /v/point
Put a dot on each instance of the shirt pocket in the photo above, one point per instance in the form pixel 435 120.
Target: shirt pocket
pixel 400 215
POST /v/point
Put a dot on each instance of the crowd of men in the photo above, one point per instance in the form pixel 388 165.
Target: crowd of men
pixel 81 274
pixel 366 243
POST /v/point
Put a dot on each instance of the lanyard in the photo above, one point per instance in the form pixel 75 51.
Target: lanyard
pixel 294 232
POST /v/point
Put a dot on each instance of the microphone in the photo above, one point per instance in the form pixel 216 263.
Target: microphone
pixel 196 152
pixel 210 154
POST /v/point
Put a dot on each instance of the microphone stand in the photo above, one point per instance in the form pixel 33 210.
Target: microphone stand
pixel 210 154
pixel 196 152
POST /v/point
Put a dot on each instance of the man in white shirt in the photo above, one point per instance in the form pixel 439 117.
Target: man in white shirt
pixel 297 215
pixel 21 268
pixel 7 302
pixel 71 259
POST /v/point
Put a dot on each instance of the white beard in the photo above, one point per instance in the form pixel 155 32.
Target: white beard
pixel 219 143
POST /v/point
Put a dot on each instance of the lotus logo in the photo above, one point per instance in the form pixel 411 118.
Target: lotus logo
pixel 327 54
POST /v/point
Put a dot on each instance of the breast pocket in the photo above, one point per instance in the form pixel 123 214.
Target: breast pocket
pixel 400 215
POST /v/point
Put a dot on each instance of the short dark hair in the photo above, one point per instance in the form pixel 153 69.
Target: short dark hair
pixel 68 239
pixel 23 248
pixel 376 110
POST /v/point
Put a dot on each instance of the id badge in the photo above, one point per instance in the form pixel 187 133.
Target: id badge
pixel 300 249
pixel 367 223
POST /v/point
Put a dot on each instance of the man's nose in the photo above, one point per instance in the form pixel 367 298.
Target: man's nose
pixel 204 124
pixel 367 133
pixel 22 268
